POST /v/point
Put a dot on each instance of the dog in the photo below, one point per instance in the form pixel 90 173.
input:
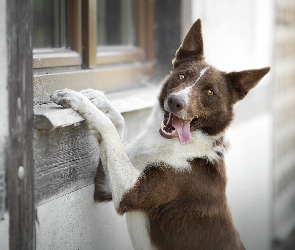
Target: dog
pixel 170 181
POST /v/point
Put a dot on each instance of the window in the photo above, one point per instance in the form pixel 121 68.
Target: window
pixel 115 24
pixel 49 24
pixel 102 44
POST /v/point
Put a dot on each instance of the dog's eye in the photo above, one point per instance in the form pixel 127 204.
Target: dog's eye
pixel 210 92
pixel 181 76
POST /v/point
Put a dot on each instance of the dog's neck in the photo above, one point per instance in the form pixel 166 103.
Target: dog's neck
pixel 150 147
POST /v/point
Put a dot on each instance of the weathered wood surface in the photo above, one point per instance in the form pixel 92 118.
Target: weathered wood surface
pixel 51 115
pixel 65 160
pixel 21 202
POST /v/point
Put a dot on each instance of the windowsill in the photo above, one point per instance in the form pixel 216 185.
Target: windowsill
pixel 48 58
pixel 107 78
pixel 51 116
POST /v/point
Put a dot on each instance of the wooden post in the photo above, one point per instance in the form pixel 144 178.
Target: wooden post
pixel 89 40
pixel 20 167
pixel 74 25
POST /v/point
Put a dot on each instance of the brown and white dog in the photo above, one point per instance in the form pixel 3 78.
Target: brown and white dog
pixel 171 180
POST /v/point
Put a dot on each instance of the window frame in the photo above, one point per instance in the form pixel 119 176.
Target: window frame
pixel 83 59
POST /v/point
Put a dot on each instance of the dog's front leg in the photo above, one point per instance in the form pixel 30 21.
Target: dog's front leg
pixel 102 191
pixel 100 101
pixel 122 174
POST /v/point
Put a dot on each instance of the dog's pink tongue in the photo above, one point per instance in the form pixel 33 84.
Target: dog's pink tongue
pixel 183 129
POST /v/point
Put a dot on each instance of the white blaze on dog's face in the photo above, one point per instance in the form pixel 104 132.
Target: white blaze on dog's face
pixel 198 96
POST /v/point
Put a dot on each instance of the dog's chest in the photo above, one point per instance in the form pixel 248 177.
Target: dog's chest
pixel 150 148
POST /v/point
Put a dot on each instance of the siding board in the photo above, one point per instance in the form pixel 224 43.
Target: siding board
pixel 65 160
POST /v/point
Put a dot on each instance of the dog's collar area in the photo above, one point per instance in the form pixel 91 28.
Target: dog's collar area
pixel 173 126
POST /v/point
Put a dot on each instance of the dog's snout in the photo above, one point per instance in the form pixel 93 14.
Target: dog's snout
pixel 176 103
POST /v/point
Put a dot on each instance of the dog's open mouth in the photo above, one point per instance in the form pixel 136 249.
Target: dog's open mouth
pixel 173 126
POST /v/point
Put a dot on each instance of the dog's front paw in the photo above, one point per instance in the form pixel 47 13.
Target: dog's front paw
pixel 68 98
pixel 99 100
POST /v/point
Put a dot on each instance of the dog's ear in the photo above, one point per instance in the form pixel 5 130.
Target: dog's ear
pixel 242 82
pixel 192 45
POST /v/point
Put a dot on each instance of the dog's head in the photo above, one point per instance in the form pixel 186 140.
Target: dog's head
pixel 197 96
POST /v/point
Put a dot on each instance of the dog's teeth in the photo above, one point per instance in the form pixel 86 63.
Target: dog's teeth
pixel 163 126
pixel 167 133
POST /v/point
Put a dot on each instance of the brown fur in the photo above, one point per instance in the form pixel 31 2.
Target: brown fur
pixel 191 47
pixel 186 210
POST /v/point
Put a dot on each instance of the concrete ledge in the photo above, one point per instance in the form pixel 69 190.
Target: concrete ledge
pixel 50 115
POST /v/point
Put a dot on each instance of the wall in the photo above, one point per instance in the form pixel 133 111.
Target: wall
pixel 249 180
pixel 238 35
pixel 74 221
pixel 284 125
pixel 4 126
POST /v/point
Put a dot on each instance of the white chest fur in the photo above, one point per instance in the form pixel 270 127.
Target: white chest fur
pixel 149 147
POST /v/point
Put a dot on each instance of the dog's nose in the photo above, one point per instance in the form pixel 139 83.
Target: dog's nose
pixel 175 103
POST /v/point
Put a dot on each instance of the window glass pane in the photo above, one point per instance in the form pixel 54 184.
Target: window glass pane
pixel 49 19
pixel 115 20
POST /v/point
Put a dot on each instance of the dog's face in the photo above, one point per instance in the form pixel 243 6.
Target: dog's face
pixel 198 96
pixel 195 96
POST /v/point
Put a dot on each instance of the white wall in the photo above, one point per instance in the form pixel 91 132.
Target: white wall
pixel 3 115
pixel 75 221
pixel 238 34
pixel 248 163
pixel 4 230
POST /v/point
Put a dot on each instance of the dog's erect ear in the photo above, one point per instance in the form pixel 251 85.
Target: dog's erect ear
pixel 242 82
pixel 192 45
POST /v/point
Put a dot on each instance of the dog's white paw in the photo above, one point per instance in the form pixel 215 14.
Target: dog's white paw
pixel 99 100
pixel 68 98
